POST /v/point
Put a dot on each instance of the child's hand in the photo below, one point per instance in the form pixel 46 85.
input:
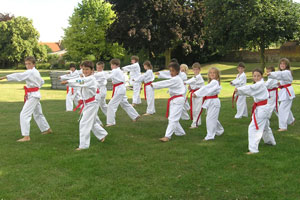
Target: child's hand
pixel 64 82
pixel 151 85
pixel 268 74
pixel 230 82
pixel 235 90
pixel 156 73
pixel 189 88
pixel 278 84
pixel 194 95
pixel 3 77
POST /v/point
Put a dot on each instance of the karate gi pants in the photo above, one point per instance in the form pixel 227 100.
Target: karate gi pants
pixel 185 111
pixel 70 98
pixel 101 98
pixel 197 103
pixel 32 107
pixel 213 125
pixel 150 100
pixel 241 107
pixel 136 98
pixel 285 115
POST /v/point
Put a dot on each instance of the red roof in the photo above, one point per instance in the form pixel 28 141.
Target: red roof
pixel 54 46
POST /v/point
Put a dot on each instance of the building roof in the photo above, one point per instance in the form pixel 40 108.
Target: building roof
pixel 54 46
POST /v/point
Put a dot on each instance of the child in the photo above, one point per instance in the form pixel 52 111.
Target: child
pixel 135 72
pixel 147 78
pixel 261 112
pixel 272 86
pixel 211 103
pixel 100 76
pixel 175 103
pixel 118 95
pixel 286 94
pixel 71 91
pixel 89 111
pixel 32 98
pixel 241 104
pixel 195 83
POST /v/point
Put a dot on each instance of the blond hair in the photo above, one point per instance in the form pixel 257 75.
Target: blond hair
pixel 218 74
pixel 196 65
pixel 185 67
pixel 287 63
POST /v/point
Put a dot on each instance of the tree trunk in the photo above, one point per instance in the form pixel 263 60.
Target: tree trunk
pixel 262 56
pixel 167 56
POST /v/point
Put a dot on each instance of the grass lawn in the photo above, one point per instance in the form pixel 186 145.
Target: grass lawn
pixel 133 164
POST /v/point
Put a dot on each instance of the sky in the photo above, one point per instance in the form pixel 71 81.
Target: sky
pixel 49 16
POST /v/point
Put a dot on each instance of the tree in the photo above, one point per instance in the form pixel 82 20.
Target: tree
pixel 87 31
pixel 253 24
pixel 157 25
pixel 19 39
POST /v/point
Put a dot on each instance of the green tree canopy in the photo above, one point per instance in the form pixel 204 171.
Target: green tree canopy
pixel 87 31
pixel 19 39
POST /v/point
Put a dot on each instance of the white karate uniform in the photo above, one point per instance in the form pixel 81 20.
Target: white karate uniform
pixel 183 76
pixel 119 97
pixel 212 106
pixel 71 96
pixel 101 96
pixel 270 84
pixel 146 78
pixel 134 72
pixel 285 115
pixel 32 106
pixel 89 119
pixel 176 87
pixel 259 93
pixel 241 104
pixel 196 82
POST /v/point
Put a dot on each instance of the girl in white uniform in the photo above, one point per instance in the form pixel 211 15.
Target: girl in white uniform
pixel 32 98
pixel 101 77
pixel 261 112
pixel 134 71
pixel 175 103
pixel 241 104
pixel 147 78
pixel 89 107
pixel 272 86
pixel 72 92
pixel 195 83
pixel 286 94
pixel 211 103
pixel 118 96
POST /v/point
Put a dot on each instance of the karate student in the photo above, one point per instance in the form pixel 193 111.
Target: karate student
pixel 101 76
pixel 241 104
pixel 73 93
pixel 32 105
pixel 286 94
pixel 211 103
pixel 134 71
pixel 175 103
pixel 195 83
pixel 147 78
pixel 261 112
pixel 118 95
pixel 272 86
pixel 89 111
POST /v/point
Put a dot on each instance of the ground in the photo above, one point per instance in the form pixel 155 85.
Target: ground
pixel 133 164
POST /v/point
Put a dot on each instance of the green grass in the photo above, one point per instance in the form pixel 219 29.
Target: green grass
pixel 133 164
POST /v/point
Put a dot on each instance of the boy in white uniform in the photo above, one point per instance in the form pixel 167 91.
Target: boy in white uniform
pixel 175 103
pixel 89 111
pixel 272 86
pixel 261 112
pixel 211 103
pixel 147 78
pixel 32 98
pixel 101 76
pixel 134 71
pixel 118 96
pixel 241 103
pixel 195 83
pixel 286 94
pixel 72 92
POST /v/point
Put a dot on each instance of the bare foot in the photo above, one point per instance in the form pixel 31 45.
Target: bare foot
pixel 108 125
pixel 192 127
pixel 78 149
pixel 135 120
pixel 102 140
pixel 293 123
pixel 164 139
pixel 49 131
pixel 133 104
pixel 281 130
pixel 146 114
pixel 24 139
pixel 249 153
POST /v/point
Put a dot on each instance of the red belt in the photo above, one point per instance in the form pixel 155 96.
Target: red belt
pixel 28 90
pixel 82 102
pixel 275 89
pixel 286 87
pixel 145 93
pixel 237 97
pixel 168 106
pixel 204 98
pixel 68 90
pixel 256 104
pixel 98 91
pixel 114 87
pixel 191 101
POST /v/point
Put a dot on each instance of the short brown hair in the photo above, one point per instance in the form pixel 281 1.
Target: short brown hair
pixel 271 68
pixel 258 70
pixel 30 59
pixel 115 61
pixel 100 63
pixel 196 65
pixel 136 58
pixel 287 63
pixel 241 64
pixel 72 65
pixel 175 66
pixel 148 64
pixel 88 64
